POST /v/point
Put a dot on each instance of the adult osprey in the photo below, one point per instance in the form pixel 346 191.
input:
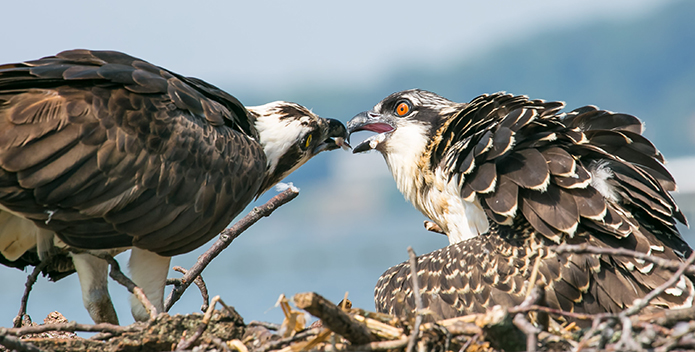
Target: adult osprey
pixel 109 152
pixel 505 177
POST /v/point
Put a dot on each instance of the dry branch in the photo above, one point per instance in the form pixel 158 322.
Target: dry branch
pixel 184 345
pixel 198 282
pixel 382 330
pixel 334 318
pixel 660 262
pixel 418 300
pixel 381 345
pixel 535 296
pixel 507 328
pixel 225 239
pixel 641 303
pixel 15 344
pixel 457 326
pixel 74 327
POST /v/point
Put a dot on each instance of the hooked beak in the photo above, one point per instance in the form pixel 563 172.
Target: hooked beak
pixel 335 137
pixel 370 121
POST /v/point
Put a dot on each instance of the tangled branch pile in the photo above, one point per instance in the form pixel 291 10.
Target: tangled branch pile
pixel 360 330
pixel 526 327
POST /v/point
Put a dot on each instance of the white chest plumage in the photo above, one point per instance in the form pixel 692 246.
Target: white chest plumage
pixel 460 219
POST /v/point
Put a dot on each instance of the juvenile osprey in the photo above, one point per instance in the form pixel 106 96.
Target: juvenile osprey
pixel 505 177
pixel 110 152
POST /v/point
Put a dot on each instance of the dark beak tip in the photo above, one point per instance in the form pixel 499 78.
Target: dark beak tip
pixel 362 147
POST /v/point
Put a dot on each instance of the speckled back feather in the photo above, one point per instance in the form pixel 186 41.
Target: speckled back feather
pixel 545 178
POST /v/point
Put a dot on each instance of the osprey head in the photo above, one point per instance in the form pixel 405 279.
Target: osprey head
pixel 402 121
pixel 291 135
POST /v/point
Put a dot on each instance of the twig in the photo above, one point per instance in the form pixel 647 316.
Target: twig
pixel 223 346
pixel 668 317
pixel 185 344
pixel 554 311
pixel 418 300
pixel 678 333
pixel 199 282
pixel 381 330
pixel 534 296
pixel 31 280
pixel 470 341
pixel 73 327
pixel 320 337
pixel 534 272
pixel 381 345
pixel 116 274
pixel 334 318
pixel 269 326
pixel 528 329
pixel 626 336
pixel 272 345
pixel 643 302
pixel 626 340
pixel 447 334
pixel 456 326
pixel 15 344
pixel 225 239
pixel 586 248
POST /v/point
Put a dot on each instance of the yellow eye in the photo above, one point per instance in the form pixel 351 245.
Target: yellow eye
pixel 403 108
pixel 308 141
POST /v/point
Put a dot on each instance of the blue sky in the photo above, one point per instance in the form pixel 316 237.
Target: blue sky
pixel 274 44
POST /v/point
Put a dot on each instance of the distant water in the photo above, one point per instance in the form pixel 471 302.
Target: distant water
pixel 338 236
pixel 325 241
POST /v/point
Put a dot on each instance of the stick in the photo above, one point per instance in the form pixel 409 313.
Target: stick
pixel 334 318
pixel 586 248
pixel 276 344
pixel 15 344
pixel 534 296
pixel 198 282
pixel 381 330
pixel 554 311
pixel 668 317
pixel 528 329
pixel 225 239
pixel 418 300
pixel 73 327
pixel 184 345
pixel 116 274
pixel 470 342
pixel 641 303
pixel 637 307
pixel 381 345
pixel 31 280
pixel 456 326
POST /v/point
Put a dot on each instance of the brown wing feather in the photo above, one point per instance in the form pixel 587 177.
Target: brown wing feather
pixel 495 268
pixel 120 152
pixel 549 156
pixel 559 165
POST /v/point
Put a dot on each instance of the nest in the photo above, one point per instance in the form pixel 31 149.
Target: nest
pixel 342 328
pixel 526 327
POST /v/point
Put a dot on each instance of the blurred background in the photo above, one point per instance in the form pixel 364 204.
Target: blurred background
pixel 350 223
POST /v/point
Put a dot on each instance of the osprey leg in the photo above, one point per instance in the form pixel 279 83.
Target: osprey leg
pixel 93 275
pixel 148 271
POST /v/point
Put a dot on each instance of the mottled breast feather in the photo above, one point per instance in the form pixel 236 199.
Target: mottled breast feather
pixel 545 178
pixel 109 151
